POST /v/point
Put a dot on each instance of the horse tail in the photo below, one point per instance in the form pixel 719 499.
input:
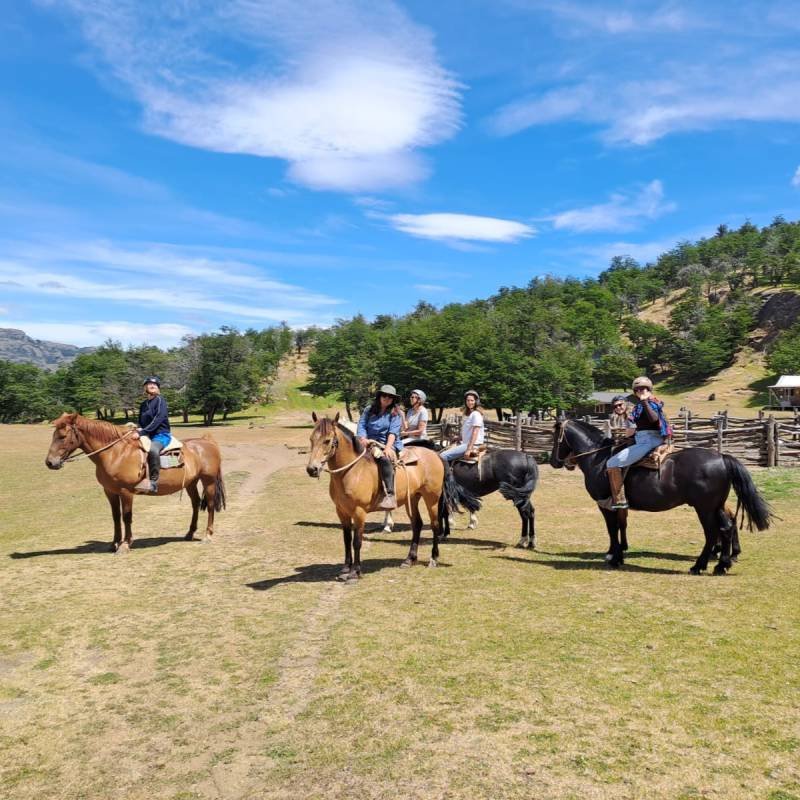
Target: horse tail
pixel 444 517
pixel 456 495
pixel 521 495
pixel 753 506
pixel 220 501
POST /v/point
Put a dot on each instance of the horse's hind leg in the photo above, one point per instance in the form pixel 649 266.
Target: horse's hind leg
pixel 347 536
pixel 726 528
pixel 433 514
pixel 194 496
pixel 126 501
pixel 210 498
pixel 615 556
pixel 473 521
pixel 416 530
pixel 709 521
pixel 116 514
pixel 388 522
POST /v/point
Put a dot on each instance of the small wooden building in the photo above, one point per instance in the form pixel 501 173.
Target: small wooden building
pixel 601 403
pixel 785 393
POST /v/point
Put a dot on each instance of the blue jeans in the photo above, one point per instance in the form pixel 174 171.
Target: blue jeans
pixel 452 453
pixel 645 442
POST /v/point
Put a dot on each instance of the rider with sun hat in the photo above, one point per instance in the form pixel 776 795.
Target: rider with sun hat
pixel 381 422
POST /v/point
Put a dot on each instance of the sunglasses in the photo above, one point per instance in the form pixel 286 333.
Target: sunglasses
pixel 386 395
pixel 619 405
pixel 641 389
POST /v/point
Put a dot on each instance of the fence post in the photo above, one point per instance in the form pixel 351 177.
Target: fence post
pixel 777 443
pixel 518 432
pixel 719 423
pixel 770 441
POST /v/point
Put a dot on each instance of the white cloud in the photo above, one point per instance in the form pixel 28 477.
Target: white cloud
pixel 796 178
pixel 622 212
pixel 460 227
pixel 93 332
pixel 345 91
pixel 429 287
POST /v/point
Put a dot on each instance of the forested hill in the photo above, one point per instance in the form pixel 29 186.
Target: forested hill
pixel 550 343
pixel 19 348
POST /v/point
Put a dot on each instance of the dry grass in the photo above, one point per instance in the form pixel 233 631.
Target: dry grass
pixel 242 670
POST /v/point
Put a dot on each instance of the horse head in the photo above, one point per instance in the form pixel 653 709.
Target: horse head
pixel 560 455
pixel 324 441
pixel 65 441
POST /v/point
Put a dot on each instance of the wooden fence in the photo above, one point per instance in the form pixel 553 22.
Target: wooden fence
pixel 766 441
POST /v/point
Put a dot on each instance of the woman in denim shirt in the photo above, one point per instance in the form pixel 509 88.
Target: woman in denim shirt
pixel 381 423
pixel 652 429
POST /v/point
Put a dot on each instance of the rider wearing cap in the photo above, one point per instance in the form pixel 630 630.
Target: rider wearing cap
pixel 619 417
pixel 415 422
pixel 652 429
pixel 154 423
pixel 472 430
pixel 381 422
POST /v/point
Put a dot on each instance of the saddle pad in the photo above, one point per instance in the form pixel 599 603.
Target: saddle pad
pixel 482 451
pixel 408 456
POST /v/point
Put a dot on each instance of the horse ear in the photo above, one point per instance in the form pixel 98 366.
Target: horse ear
pixel 336 418
pixel 314 416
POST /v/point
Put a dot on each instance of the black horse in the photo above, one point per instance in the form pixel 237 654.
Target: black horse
pixel 697 477
pixel 514 474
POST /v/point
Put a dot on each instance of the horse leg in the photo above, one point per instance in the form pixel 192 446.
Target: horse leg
pixel 708 519
pixel 210 492
pixel 416 530
pixel 388 522
pixel 359 518
pixel 473 521
pixel 726 525
pixel 126 501
pixel 531 526
pixel 116 514
pixel 524 536
pixel 622 519
pixel 615 556
pixel 433 515
pixel 194 496
pixel 347 535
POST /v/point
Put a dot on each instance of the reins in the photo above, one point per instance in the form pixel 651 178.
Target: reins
pixel 574 456
pixel 99 449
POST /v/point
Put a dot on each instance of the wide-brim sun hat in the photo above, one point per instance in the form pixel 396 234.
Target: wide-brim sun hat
pixel 642 381
pixel 422 396
pixel 152 379
pixel 387 388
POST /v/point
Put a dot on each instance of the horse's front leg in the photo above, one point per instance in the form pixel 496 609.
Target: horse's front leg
pixel 614 556
pixel 127 518
pixel 359 519
pixel 347 538
pixel 622 520
pixel 116 514
pixel 388 522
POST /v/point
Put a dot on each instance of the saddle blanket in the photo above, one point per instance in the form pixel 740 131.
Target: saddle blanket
pixel 482 451
pixel 174 444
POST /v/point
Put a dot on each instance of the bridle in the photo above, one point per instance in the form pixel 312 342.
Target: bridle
pixel 68 459
pixel 332 452
pixel 570 461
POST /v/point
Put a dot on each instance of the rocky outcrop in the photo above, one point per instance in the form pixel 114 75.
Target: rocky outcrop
pixel 17 346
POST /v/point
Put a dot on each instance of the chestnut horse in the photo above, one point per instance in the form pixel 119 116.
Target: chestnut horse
pixel 355 489
pixel 119 467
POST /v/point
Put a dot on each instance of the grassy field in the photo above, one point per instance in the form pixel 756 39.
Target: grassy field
pixel 241 669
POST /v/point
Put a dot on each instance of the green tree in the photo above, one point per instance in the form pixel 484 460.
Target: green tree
pixel 783 357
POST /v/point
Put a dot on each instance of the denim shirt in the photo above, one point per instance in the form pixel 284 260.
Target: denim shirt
pixel 379 427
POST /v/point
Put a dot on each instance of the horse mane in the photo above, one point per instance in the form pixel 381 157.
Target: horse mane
pixel 595 434
pixel 106 432
pixel 352 438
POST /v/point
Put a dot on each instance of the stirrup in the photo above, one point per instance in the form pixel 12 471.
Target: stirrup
pixel 388 503
pixel 619 505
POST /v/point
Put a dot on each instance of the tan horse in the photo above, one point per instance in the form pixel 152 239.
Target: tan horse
pixel 355 489
pixel 119 467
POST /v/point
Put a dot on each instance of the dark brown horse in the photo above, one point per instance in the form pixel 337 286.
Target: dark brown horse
pixel 119 467
pixel 355 489
pixel 695 476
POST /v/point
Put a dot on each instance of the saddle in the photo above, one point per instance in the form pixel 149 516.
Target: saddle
pixel 482 451
pixel 171 455
pixel 408 456
pixel 655 458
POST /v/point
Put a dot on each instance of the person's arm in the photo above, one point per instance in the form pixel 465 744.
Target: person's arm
pixel 649 411
pixel 361 430
pixel 394 433
pixel 476 426
pixel 161 417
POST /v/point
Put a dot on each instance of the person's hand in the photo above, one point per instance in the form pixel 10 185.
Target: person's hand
pixel 646 394
pixel 135 435
pixel 364 441
pixel 387 451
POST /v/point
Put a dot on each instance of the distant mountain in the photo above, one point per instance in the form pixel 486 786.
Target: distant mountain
pixel 17 346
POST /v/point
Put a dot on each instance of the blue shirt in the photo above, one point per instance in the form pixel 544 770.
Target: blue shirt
pixel 154 417
pixel 379 427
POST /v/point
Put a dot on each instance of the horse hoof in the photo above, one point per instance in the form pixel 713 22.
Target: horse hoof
pixel 720 570
pixel 387 529
pixel 123 548
pixel 189 536
pixel 207 539
pixel 609 558
pixel 409 562
pixel 695 571
pixel 522 544
pixel 114 547
pixel 432 563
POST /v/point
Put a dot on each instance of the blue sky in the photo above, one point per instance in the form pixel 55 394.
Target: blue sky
pixel 170 167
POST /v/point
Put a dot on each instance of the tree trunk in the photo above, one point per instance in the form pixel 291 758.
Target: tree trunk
pixel 225 414
pixel 347 409
pixel 186 415
pixel 499 412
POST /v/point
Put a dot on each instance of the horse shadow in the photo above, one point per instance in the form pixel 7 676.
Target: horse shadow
pixel 97 546
pixel 325 573
pixel 369 528
pixel 594 563
pixel 629 554
pixel 479 544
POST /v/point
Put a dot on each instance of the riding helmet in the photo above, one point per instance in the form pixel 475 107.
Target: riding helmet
pixel 152 379
pixel 422 396
pixel 474 394
pixel 644 381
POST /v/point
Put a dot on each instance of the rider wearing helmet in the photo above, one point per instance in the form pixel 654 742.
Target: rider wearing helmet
pixel 652 429
pixel 381 422
pixel 154 423
pixel 415 422
pixel 472 429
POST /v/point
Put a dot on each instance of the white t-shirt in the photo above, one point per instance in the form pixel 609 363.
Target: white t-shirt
pixel 474 420
pixel 414 420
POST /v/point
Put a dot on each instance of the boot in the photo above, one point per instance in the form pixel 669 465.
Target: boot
pixel 617 488
pixel 154 463
pixel 387 476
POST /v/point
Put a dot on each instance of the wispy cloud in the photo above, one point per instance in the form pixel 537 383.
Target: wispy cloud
pixel 623 212
pixel 93 332
pixel 429 287
pixel 460 227
pixel 346 92
pixel 796 178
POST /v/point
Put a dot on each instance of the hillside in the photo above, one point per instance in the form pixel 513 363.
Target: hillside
pixel 16 346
